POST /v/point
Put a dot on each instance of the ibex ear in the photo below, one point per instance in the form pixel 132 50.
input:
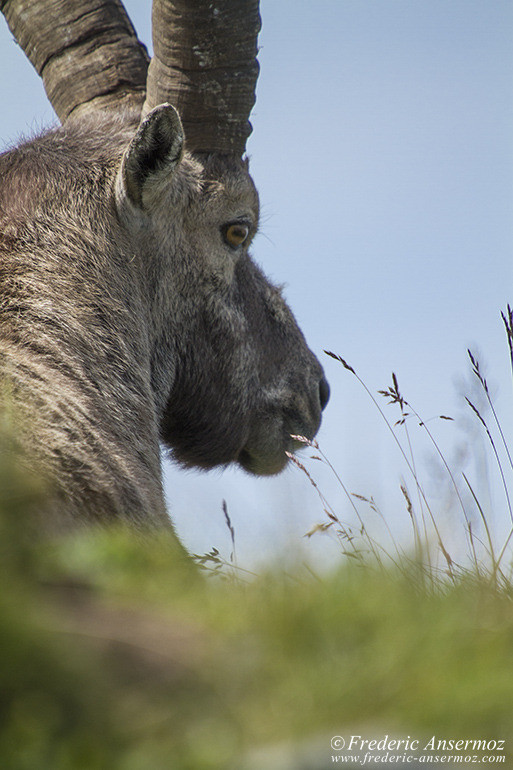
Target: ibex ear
pixel 152 155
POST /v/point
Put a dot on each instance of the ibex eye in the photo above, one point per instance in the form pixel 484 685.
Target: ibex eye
pixel 235 234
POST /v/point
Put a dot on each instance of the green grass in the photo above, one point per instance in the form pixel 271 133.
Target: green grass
pixel 115 656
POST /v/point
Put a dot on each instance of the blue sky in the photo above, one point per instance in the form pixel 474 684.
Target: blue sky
pixel 383 153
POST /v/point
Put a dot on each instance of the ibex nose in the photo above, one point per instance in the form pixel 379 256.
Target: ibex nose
pixel 324 392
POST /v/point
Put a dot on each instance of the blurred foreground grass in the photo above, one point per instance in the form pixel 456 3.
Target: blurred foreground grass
pixel 115 653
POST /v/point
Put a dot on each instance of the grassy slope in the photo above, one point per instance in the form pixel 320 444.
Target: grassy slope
pixel 116 656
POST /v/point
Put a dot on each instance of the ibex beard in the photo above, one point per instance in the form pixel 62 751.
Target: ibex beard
pixel 132 313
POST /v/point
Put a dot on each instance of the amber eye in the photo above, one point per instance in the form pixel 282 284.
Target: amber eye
pixel 235 234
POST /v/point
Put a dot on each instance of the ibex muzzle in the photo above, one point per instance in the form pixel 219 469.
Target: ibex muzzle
pixel 131 310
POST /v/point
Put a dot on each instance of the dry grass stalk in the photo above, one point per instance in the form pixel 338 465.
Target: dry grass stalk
pixel 422 543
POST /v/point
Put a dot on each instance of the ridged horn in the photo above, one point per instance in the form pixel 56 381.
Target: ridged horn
pixel 205 64
pixel 86 52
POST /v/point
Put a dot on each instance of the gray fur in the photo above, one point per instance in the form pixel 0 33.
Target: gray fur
pixel 126 319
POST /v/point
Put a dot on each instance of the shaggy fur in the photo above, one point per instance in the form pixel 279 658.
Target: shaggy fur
pixel 127 319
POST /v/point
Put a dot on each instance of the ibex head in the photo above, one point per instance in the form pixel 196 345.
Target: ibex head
pixel 230 377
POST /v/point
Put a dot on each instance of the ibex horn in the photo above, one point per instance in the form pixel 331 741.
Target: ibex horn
pixel 205 64
pixel 87 52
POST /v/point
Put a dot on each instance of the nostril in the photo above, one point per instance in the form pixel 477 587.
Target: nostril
pixel 324 392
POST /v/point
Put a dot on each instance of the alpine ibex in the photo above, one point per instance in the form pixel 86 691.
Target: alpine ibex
pixel 130 310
